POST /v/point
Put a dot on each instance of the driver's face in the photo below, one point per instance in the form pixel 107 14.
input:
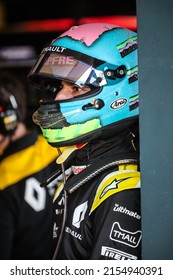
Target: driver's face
pixel 69 90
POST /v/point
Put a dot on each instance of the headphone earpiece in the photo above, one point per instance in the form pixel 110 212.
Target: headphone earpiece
pixel 9 114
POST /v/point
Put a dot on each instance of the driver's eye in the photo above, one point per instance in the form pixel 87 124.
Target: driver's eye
pixel 75 87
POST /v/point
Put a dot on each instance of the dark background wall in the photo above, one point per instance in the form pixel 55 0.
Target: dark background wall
pixel 155 40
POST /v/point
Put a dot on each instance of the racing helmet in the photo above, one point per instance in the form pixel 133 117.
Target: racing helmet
pixel 103 57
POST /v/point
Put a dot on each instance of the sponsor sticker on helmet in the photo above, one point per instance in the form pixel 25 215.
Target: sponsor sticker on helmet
pixel 60 60
pixel 119 103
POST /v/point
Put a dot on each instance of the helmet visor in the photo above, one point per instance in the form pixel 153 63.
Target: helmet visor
pixel 65 67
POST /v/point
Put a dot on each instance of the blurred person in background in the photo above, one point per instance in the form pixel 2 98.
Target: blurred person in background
pixel 25 161
pixel 90 73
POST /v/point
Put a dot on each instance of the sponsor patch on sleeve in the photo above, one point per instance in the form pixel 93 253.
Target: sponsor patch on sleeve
pixel 116 254
pixel 120 235
pixel 115 182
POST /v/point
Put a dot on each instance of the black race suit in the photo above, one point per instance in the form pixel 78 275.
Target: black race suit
pixel 25 207
pixel 100 210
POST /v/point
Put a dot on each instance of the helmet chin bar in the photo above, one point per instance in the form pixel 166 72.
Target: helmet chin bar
pixel 48 116
pixel 106 132
pixel 89 137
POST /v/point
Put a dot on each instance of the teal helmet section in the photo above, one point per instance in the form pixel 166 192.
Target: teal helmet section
pixel 104 57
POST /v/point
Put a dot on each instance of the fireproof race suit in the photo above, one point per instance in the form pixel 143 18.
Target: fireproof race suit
pixel 97 212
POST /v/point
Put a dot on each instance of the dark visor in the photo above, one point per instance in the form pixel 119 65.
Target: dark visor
pixel 66 67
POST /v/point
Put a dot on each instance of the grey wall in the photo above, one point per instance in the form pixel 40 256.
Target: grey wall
pixel 155 38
